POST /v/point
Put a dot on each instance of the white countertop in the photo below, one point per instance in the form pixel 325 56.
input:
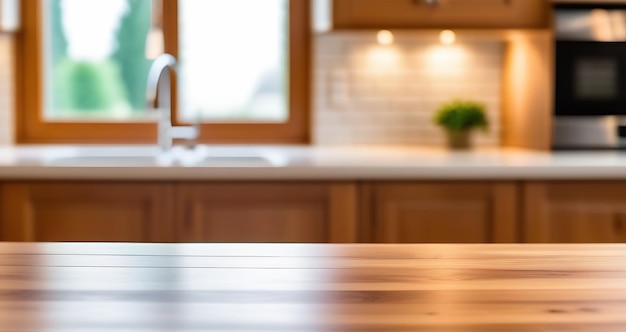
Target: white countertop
pixel 304 163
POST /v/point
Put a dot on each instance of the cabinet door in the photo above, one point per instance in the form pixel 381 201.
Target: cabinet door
pixel 575 212
pixel 441 212
pixel 102 212
pixel 396 14
pixel 266 212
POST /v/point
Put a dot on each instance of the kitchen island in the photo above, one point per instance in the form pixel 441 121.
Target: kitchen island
pixel 280 287
pixel 309 194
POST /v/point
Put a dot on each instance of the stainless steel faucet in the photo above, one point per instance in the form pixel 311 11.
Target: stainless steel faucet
pixel 159 97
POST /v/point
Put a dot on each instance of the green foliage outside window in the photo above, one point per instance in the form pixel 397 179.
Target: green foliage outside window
pixel 89 87
pixel 130 54
pixel 118 84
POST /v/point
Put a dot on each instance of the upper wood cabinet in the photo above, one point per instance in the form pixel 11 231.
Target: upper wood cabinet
pixel 101 212
pixel 266 212
pixel 418 14
pixel 441 212
pixel 575 212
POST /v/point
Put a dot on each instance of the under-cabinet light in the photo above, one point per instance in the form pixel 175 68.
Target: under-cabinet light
pixel 447 37
pixel 385 37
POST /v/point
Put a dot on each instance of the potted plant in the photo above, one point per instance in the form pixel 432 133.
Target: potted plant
pixel 459 118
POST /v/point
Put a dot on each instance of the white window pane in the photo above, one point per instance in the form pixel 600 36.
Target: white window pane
pixel 94 60
pixel 234 60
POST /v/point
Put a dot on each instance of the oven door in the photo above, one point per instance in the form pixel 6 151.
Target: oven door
pixel 590 78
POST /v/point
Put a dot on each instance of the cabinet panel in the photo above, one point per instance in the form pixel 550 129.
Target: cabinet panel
pixel 575 212
pixel 266 212
pixel 442 212
pixel 288 222
pixel 392 14
pixel 119 212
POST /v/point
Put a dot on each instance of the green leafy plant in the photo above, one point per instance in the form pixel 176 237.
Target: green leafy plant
pixel 462 115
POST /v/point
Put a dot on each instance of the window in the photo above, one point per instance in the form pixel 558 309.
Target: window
pixel 243 70
pixel 94 60
pixel 234 61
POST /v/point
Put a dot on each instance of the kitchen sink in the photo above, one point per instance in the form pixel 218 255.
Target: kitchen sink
pixel 105 161
pixel 178 156
pixel 234 161
pixel 123 156
pixel 230 156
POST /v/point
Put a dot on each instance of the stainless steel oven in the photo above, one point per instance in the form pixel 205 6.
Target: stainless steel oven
pixel 590 93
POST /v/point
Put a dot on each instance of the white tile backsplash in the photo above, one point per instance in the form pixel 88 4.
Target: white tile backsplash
pixel 371 94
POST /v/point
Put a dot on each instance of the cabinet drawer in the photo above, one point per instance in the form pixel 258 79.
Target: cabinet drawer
pixel 441 212
pixel 83 211
pixel 575 212
pixel 266 212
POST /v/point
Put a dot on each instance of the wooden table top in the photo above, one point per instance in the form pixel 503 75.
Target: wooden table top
pixel 247 287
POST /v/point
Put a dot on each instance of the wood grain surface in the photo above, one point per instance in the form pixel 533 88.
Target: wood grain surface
pixel 281 287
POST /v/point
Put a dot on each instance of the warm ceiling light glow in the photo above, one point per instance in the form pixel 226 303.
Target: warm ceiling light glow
pixel 447 37
pixel 445 60
pixel 383 58
pixel 385 37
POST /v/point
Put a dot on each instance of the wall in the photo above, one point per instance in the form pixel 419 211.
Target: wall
pixel 365 93
pixel 369 94
pixel 6 91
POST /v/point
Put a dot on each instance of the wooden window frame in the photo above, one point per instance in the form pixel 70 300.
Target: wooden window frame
pixel 31 127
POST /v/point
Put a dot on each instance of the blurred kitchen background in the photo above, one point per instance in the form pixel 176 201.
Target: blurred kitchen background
pixel 313 121
pixel 233 65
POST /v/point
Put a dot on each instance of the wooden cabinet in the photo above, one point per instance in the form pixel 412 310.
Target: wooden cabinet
pixel 575 212
pixel 111 212
pixel 205 212
pixel 315 212
pixel 415 14
pixel 442 212
pixel 266 212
